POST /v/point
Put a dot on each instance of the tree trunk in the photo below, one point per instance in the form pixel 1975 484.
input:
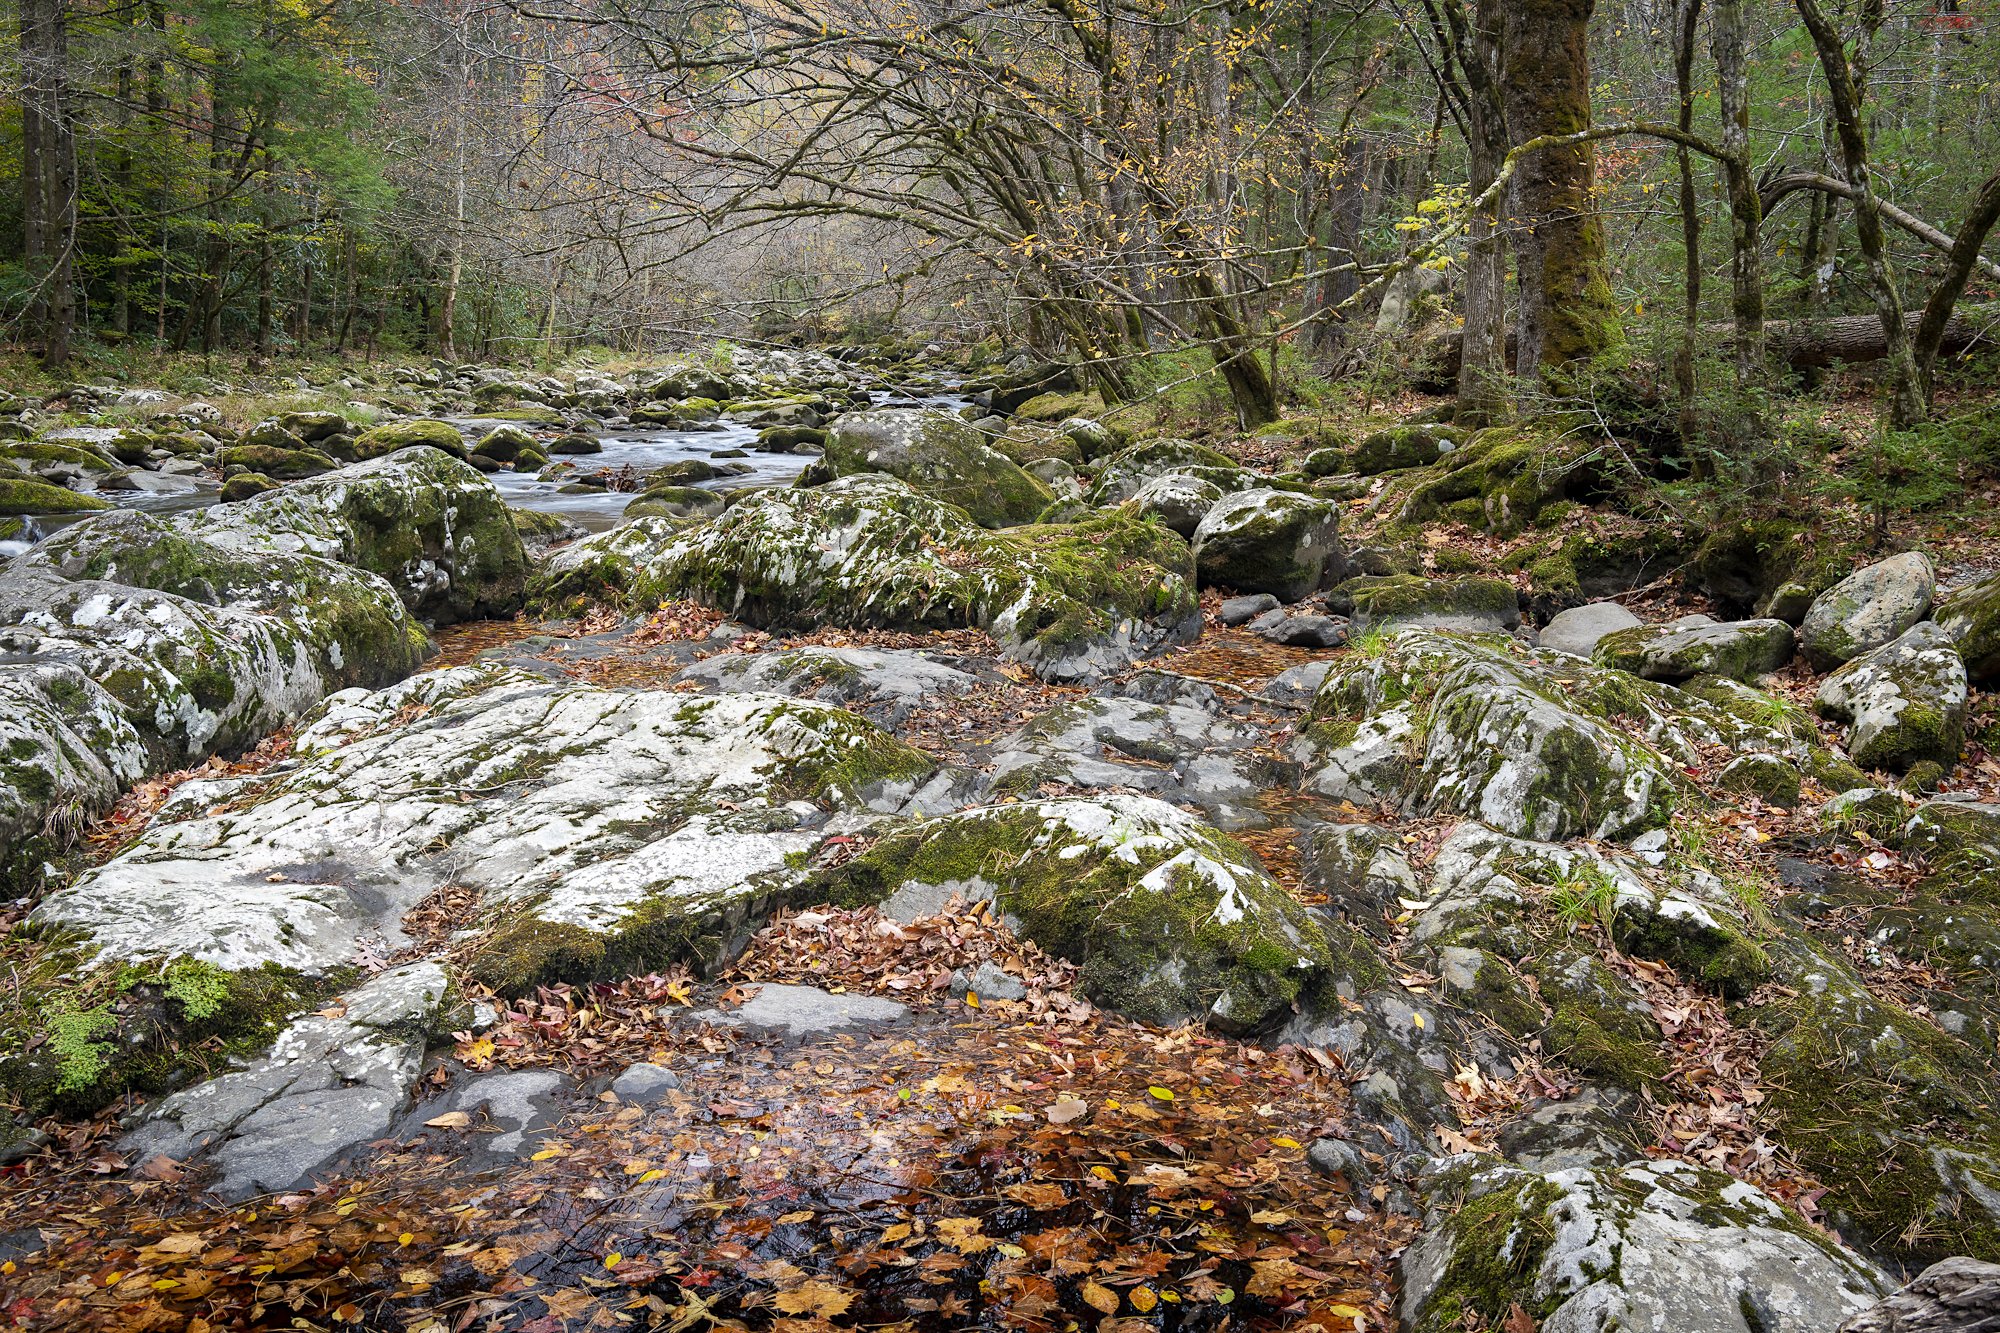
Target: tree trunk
pixel 1567 313
pixel 1482 370
pixel 1746 246
pixel 1907 404
pixel 1687 19
pixel 1936 320
pixel 48 174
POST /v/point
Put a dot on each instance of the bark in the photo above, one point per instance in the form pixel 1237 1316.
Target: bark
pixel 1482 371
pixel 1936 320
pixel 1746 250
pixel 48 173
pixel 1566 309
pixel 1907 405
pixel 1686 19
pixel 1781 187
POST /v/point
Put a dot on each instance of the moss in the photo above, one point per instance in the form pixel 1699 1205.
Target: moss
pixel 394 435
pixel 1060 407
pixel 1502 479
pixel 1499 1241
pixel 1593 1041
pixel 271 461
pixel 19 495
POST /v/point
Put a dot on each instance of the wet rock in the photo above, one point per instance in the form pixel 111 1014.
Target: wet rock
pixel 1168 919
pixel 1905 702
pixel 1737 649
pixel 644 1082
pixel 1867 609
pixel 1660 1245
pixel 24 495
pixel 508 1114
pixel 1594 1129
pixel 1362 870
pixel 395 435
pixel 1578 630
pixel 1304 631
pixel 326 1086
pixel 938 455
pixel 1297 685
pixel 807 1011
pixel 989 981
pixel 1270 541
pixel 1956 1295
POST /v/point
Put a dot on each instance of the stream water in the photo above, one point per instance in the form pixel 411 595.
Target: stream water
pixel 629 453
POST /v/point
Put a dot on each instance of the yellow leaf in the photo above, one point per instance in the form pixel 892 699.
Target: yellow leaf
pixel 1163 1094
pixel 651 1176
pixel 1104 1173
pixel 1340 1311
pixel 1142 1298
pixel 1284 1143
pixel 963 1234
pixel 406 1238
pixel 803 1215
pixel 545 1154
pixel 1100 1297
pixel 890 1235
pixel 449 1120
pixel 971 1000
pixel 815 1298
pixel 613 1259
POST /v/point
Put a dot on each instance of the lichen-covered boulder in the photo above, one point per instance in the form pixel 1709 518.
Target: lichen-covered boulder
pixel 1971 615
pixel 1438 722
pixel 505 444
pixel 394 435
pixel 1273 541
pixel 1405 446
pixel 605 831
pixel 937 454
pixel 1580 629
pixel 1956 1295
pixel 273 461
pixel 1904 701
pixel 1660 1246
pixel 1176 501
pixel 1072 601
pixel 1960 839
pixel 1121 476
pixel 131 647
pixel 1736 649
pixel 1169 919
pixel 428 523
pixel 1408 601
pixel 1867 609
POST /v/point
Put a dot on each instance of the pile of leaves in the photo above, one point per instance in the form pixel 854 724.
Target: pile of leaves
pixel 986 1165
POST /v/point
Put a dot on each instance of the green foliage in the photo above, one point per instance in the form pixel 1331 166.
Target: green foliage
pixel 1586 893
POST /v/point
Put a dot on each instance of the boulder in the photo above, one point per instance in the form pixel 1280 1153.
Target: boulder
pixel 244 485
pixel 311 426
pixel 1956 1295
pixel 426 522
pixel 1867 609
pixel 1073 601
pixel 884 684
pixel 24 495
pixel 271 461
pixel 937 455
pixel 1650 1245
pixel 1242 610
pixel 1736 649
pixel 1271 541
pixel 1408 601
pixel 1168 919
pixel 1578 630
pixel 1971 616
pixel 1904 702
pixel 1404 446
pixel 505 444
pixel 1131 468
pixel 391 436
pixel 1093 439
pixel 1175 501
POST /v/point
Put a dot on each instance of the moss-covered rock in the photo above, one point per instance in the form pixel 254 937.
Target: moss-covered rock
pixel 1403 447
pixel 1971 616
pixel 941 456
pixel 674 502
pixel 1736 649
pixel 505 444
pixel 1070 600
pixel 22 495
pixel 244 485
pixel 271 461
pixel 1650 1245
pixel 1131 468
pixel 1272 541
pixel 1399 601
pixel 1867 610
pixel 394 435
pixel 1502 479
pixel 1169 919
pixel 1905 702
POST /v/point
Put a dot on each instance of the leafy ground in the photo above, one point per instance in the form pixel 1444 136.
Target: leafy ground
pixel 1024 1164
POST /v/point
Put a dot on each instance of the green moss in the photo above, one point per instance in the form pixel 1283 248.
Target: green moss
pixel 394 435
pixel 1500 1241
pixel 19 495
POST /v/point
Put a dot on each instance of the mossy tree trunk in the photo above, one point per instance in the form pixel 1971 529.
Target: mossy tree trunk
pixel 1482 367
pixel 1566 309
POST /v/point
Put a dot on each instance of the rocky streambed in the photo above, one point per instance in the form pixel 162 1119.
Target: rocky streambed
pixel 984 882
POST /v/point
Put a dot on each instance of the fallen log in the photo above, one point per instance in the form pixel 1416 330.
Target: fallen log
pixel 1802 344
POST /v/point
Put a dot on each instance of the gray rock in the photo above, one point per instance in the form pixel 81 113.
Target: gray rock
pixel 806 1011
pixel 1340 1157
pixel 509 1112
pixel 1242 610
pixel 884 683
pixel 1737 649
pixel 1971 615
pixel 1407 601
pixel 326 1086
pixel 1306 631
pixel 644 1082
pixel 1956 1295
pixel 1177 501
pixel 1595 1128
pixel 1867 609
pixel 1577 630
pixel 1297 685
pixel 1270 541
pixel 939 455
pixel 1659 1246
pixel 1905 702
pixel 989 981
